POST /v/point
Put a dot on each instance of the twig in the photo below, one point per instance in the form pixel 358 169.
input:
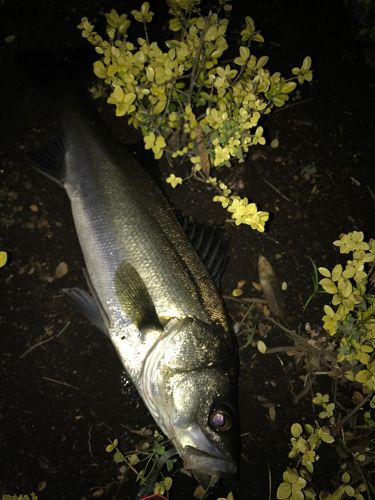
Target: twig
pixel 243 67
pixel 371 193
pixel 42 342
pixel 89 441
pixel 284 348
pixel 364 479
pixel 61 383
pixel 269 483
pixel 245 316
pixel 277 191
pixel 281 326
pixel 253 300
pixel 196 59
pixel 305 390
pixel 299 103
pixel 358 407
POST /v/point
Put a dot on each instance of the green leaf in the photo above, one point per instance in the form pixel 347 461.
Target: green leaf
pixel 168 483
pixel 283 491
pixel 347 289
pixel 133 459
pixel 118 457
pixel 306 63
pixel 296 430
pixel 328 285
pixel 349 490
pixel 99 69
pixel 309 429
pixel 288 87
pixel 170 463
pixel 336 272
pixel 326 437
pixel 345 477
pixel 324 272
pixel 362 376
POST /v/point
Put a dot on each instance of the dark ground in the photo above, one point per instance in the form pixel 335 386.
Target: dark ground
pixel 61 402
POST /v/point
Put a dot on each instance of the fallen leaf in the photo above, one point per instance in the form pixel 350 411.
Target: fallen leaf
pixel 199 492
pixel 61 270
pixel 272 413
pixel 270 287
pixel 261 346
pixel 3 258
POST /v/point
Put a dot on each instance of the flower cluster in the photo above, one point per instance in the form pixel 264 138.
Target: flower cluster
pixel 346 285
pixel 353 322
pixel 242 211
pixel 305 443
pixel 179 87
pixel 323 401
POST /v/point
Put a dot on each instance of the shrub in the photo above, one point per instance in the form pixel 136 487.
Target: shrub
pixel 185 98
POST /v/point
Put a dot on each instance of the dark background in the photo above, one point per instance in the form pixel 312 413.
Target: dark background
pixel 60 403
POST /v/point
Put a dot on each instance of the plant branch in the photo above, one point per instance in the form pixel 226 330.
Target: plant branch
pixel 197 55
pixel 357 408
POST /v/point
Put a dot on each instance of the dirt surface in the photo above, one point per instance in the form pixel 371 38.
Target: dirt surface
pixel 61 401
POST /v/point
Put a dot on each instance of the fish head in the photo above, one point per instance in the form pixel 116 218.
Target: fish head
pixel 205 422
pixel 200 402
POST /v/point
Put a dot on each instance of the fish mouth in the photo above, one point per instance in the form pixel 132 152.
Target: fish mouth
pixel 205 463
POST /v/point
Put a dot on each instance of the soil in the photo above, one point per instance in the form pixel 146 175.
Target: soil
pixel 62 401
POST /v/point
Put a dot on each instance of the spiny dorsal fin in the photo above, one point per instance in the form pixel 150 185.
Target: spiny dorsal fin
pixel 134 297
pixel 211 245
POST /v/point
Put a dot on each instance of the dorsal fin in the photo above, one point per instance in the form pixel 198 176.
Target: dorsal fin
pixel 211 244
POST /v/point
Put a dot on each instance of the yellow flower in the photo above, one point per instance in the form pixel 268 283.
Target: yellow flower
pixel 245 213
pixel 173 180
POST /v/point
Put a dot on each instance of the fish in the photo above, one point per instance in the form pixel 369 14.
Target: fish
pixel 148 291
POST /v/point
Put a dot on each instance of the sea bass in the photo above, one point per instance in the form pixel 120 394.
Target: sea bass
pixel 149 292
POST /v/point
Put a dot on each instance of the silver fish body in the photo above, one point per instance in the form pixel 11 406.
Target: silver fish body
pixel 162 311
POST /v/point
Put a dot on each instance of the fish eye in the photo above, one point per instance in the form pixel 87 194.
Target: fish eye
pixel 220 420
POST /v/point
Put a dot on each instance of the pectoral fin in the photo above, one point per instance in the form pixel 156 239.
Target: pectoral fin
pixel 86 304
pixel 134 298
